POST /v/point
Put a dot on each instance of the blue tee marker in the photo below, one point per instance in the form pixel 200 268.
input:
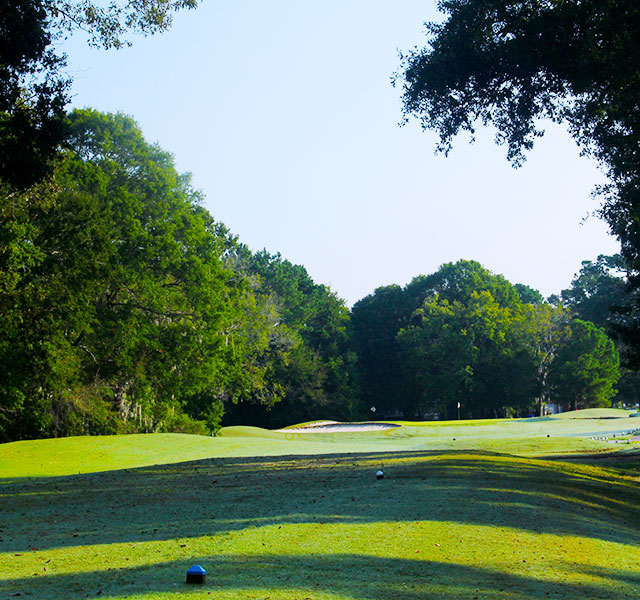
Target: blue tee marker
pixel 196 574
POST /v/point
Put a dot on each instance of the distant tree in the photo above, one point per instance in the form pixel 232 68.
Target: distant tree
pixel 471 352
pixel 543 329
pixel 586 367
pixel 628 387
pixel 309 361
pixel 375 322
pixel 528 295
pixel 597 291
pixel 389 362
pixel 436 356
pixel 455 282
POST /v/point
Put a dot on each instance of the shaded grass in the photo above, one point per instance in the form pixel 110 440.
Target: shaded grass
pixel 444 525
pixel 355 576
pixel 288 516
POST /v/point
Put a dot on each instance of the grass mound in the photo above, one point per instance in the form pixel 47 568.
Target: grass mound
pixel 250 432
pixel 595 413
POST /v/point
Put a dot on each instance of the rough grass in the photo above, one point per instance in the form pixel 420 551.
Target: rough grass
pixel 445 522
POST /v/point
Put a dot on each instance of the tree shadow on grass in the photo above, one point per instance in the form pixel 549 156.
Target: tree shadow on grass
pixel 215 496
pixel 352 575
pixel 625 461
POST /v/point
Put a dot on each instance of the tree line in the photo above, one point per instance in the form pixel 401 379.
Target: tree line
pixel 466 339
pixel 127 307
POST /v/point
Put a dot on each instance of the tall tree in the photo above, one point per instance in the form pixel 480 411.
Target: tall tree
pixel 33 86
pixel 510 63
pixel 115 292
pixel 586 369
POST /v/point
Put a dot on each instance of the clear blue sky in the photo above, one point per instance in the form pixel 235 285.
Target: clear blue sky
pixel 285 114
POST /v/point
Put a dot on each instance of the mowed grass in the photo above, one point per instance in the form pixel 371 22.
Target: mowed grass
pixel 482 516
pixel 562 434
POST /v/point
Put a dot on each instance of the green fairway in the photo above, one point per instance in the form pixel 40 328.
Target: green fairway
pixel 280 515
pixel 561 434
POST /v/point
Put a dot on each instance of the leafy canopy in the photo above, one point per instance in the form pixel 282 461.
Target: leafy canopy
pixel 34 88
pixel 115 292
pixel 510 63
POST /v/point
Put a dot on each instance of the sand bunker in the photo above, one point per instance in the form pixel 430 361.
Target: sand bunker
pixel 335 426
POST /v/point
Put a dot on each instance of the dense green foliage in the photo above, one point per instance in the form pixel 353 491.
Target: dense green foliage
pixel 463 338
pixel 310 362
pixel 115 298
pixel 597 292
pixel 586 366
pixel 510 64
pixel 33 85
pixel 127 307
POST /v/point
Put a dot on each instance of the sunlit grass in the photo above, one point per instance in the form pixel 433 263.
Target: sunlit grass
pixel 532 437
pixel 388 559
pixel 478 517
